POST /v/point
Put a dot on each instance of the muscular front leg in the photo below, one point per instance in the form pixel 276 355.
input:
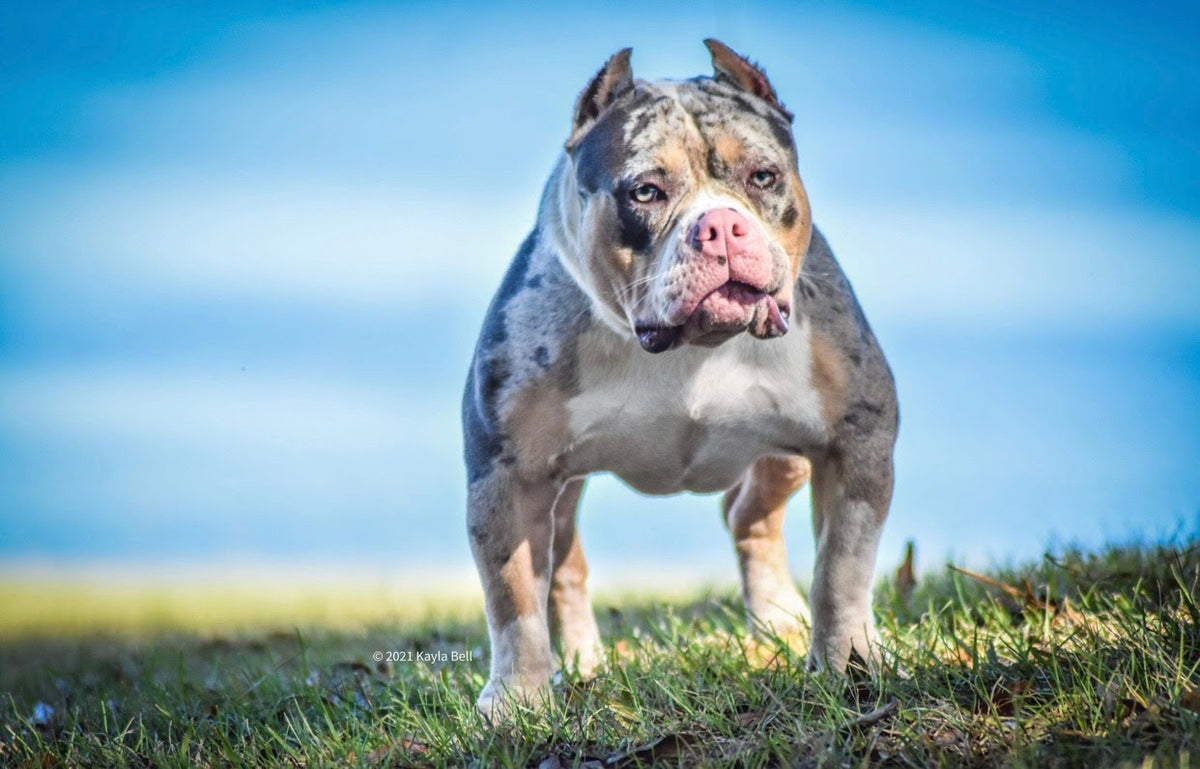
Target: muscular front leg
pixel 851 494
pixel 571 615
pixel 511 526
pixel 754 512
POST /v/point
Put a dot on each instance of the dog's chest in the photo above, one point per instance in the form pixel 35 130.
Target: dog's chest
pixel 692 419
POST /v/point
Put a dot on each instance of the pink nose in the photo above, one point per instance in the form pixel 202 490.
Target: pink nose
pixel 722 234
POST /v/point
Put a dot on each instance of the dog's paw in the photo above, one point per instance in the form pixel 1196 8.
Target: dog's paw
pixel 771 649
pixel 501 701
pixel 861 651
pixel 585 661
pixel 780 611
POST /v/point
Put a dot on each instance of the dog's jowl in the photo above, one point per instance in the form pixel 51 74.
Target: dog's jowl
pixel 675 319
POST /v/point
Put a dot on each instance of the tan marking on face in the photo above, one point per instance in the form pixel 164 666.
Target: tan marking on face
pixel 606 263
pixel 608 266
pixel 795 239
pixel 828 376
pixel 729 149
pixel 676 160
pixel 537 422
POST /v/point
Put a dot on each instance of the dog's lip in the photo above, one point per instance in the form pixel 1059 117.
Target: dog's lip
pixel 660 337
pixel 655 338
pixel 755 293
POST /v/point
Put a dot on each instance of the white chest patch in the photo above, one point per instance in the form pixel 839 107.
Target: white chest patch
pixel 691 419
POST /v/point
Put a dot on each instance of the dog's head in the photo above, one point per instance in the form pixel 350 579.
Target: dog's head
pixel 692 220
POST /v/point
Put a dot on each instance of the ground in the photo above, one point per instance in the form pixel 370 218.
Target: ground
pixel 1082 659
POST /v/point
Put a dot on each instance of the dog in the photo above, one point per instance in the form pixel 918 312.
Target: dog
pixel 674 319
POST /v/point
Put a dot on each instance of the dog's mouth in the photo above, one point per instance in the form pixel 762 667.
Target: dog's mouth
pixel 728 310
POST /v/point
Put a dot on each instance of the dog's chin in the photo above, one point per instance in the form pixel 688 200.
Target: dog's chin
pixel 731 309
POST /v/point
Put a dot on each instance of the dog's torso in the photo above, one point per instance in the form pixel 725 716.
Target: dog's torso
pixel 691 420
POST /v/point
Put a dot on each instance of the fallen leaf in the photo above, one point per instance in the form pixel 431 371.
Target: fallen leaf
pixel 623 650
pixel 405 746
pixel 875 716
pixel 1007 696
pixel 661 749
pixel 1191 700
pixel 905 575
pixel 1147 720
pixel 1024 594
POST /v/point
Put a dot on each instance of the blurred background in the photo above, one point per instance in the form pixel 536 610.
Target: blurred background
pixel 245 249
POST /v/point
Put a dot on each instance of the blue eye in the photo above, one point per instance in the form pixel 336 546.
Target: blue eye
pixel 646 193
pixel 762 179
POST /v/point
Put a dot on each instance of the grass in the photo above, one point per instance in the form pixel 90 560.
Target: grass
pixel 1083 659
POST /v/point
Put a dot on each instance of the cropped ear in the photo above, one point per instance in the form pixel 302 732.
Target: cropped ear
pixel 732 68
pixel 613 79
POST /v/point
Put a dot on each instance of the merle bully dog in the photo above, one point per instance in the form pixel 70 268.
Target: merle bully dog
pixel 675 319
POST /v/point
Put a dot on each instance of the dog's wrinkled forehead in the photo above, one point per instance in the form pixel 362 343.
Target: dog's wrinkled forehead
pixel 684 128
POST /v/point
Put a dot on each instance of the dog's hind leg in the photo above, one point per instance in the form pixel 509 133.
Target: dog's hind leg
pixel 571 615
pixel 754 512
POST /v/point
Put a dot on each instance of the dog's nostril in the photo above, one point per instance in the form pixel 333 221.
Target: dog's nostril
pixel 703 235
pixel 737 230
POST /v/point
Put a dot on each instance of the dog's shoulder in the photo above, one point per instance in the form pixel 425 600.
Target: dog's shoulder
pixel 528 336
pixel 847 360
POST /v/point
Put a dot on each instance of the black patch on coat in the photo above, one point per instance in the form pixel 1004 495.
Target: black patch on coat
pixel 789 215
pixel 490 370
pixel 717 168
pixel 481 442
pixel 635 231
pixel 600 154
pixel 782 131
pixel 542 357
pixel 494 333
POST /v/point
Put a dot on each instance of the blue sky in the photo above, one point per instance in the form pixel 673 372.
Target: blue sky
pixel 244 250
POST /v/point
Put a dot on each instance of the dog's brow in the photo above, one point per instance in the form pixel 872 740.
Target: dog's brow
pixel 655 171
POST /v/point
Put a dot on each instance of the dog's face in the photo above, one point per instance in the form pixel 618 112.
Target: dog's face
pixel 693 220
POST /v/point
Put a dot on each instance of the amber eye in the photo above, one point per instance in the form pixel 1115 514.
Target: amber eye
pixel 646 193
pixel 762 179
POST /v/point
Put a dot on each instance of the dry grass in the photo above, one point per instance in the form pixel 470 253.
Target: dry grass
pixel 1081 660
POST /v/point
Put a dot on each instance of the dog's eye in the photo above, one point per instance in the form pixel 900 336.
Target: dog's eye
pixel 762 179
pixel 646 193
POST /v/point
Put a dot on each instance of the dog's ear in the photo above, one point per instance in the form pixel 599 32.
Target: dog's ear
pixel 613 79
pixel 737 70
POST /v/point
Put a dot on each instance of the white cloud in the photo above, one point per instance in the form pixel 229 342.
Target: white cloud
pixel 1019 267
pixel 277 240
pixel 231 414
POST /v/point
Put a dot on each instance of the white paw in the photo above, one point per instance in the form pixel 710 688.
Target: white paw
pixel 783 615
pixel 586 660
pixel 500 701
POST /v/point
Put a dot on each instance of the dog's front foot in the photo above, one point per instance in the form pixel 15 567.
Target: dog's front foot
pixel 502 699
pixel 585 660
pixel 835 652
